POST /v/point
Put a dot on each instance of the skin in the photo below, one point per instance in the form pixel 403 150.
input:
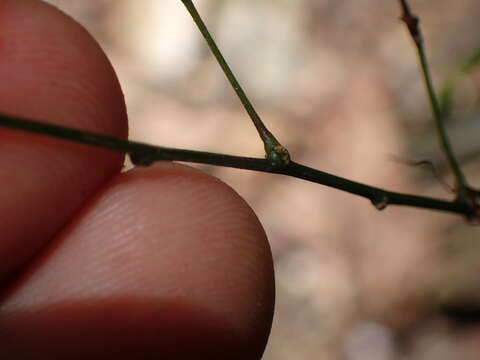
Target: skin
pixel 163 262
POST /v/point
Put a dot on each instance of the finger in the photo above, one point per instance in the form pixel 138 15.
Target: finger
pixel 50 70
pixel 166 263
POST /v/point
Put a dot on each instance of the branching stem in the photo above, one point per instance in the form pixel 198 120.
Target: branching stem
pixel 275 152
pixel 412 23
pixel 278 160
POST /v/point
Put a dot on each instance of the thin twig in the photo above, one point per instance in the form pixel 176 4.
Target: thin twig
pixel 412 23
pixel 433 169
pixel 275 151
pixel 144 154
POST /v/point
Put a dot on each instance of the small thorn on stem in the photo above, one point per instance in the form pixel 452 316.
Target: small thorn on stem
pixel 380 202
pixel 411 21
pixel 142 158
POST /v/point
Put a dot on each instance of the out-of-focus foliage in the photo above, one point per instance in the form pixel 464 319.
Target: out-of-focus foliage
pixel 467 65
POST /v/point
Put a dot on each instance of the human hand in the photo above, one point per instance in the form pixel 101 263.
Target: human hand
pixel 162 262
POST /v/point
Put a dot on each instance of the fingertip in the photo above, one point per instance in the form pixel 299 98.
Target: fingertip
pixel 172 237
pixel 52 70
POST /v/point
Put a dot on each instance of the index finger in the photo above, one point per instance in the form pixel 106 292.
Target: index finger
pixel 52 70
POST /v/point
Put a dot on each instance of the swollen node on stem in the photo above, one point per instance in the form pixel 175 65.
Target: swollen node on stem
pixel 277 155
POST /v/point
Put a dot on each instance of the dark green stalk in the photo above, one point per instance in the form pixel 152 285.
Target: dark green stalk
pixel 144 154
pixel 412 23
pixel 275 152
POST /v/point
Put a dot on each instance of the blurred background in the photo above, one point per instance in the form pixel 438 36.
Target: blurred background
pixel 338 83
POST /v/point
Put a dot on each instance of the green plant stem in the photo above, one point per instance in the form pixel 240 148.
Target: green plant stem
pixel 144 154
pixel 275 152
pixel 412 23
